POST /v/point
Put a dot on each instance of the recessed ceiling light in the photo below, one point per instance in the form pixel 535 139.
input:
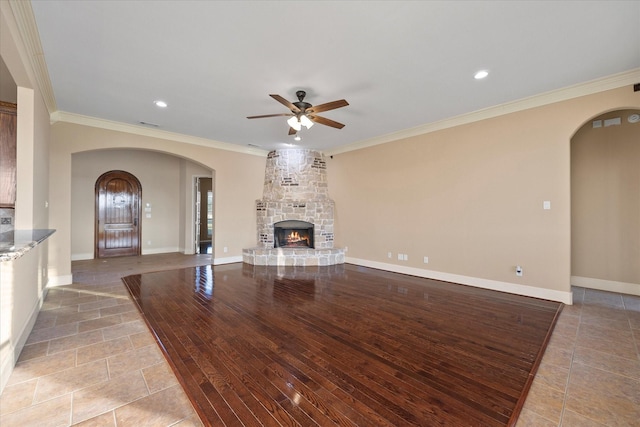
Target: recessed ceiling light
pixel 297 138
pixel 481 74
pixel 160 104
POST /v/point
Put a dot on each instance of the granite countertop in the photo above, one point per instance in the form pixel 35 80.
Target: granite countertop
pixel 23 241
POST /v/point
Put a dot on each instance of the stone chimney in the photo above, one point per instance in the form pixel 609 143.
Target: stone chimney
pixel 295 189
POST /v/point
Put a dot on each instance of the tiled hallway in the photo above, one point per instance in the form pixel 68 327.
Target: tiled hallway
pixel 590 373
pixel 91 360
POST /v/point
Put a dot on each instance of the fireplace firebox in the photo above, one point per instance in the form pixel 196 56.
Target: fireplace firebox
pixel 293 234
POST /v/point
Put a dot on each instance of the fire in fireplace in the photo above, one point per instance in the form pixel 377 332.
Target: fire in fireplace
pixel 293 234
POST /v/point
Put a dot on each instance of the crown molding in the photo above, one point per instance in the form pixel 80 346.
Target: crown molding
pixel 607 83
pixel 64 117
pixel 26 23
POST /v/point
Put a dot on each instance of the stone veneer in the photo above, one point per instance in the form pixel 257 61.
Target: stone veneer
pixel 295 188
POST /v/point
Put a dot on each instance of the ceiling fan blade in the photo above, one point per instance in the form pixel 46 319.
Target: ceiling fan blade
pixel 286 103
pixel 269 115
pixel 292 131
pixel 326 122
pixel 328 106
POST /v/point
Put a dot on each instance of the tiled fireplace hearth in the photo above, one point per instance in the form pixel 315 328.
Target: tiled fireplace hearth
pixel 295 214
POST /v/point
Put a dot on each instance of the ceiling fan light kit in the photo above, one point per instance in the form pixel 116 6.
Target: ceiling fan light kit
pixel 304 114
pixel 304 120
pixel 296 122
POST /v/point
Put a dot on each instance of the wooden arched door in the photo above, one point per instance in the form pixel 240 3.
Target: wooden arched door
pixel 117 229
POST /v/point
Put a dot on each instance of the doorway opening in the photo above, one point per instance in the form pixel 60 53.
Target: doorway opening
pixel 605 202
pixel 203 215
pixel 117 218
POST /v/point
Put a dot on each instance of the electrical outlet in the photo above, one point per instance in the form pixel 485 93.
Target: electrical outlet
pixel 225 250
pixel 518 271
pixel 400 256
pixel 426 260
pixel 405 257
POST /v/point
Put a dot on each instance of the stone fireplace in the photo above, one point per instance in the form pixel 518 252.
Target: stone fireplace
pixel 295 215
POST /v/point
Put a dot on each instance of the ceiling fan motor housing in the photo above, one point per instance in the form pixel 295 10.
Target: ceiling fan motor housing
pixel 301 104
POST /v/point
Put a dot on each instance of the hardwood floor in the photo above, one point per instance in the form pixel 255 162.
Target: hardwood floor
pixel 343 345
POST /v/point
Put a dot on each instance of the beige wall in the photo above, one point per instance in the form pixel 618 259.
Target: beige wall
pixel 23 281
pixel 42 137
pixel 32 161
pixel 470 198
pixel 605 198
pixel 160 177
pixel 238 183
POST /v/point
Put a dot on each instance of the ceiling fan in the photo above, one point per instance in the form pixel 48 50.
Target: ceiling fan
pixel 304 114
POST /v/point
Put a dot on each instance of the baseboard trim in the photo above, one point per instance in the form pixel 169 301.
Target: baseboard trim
pixel 606 285
pixel 151 251
pixel 165 250
pixel 13 353
pixel 495 285
pixel 228 260
pixel 60 280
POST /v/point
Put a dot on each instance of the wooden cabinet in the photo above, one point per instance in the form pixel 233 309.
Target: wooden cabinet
pixel 8 123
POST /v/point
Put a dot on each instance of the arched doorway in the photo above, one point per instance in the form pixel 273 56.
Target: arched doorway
pixel 117 218
pixel 605 203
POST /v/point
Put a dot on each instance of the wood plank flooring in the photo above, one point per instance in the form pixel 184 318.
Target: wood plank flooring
pixel 343 345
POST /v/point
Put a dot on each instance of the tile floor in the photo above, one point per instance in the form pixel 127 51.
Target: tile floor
pixel 590 373
pixel 90 359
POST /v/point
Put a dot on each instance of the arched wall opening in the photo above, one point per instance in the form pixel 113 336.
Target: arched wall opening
pixel 605 202
pixel 167 205
pixel 234 222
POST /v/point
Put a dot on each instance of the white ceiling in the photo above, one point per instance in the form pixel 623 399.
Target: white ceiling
pixel 399 64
